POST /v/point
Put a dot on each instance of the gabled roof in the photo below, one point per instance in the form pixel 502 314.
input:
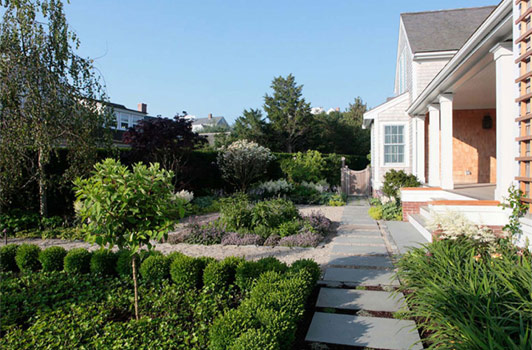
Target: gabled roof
pixel 207 121
pixel 443 30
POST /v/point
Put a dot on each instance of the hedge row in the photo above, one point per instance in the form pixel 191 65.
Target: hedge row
pixel 200 174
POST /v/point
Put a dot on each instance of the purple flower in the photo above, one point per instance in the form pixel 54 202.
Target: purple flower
pixel 206 234
pixel 272 241
pixel 304 239
pixel 233 238
pixel 319 222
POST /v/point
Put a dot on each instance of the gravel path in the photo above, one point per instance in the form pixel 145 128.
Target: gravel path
pixel 319 254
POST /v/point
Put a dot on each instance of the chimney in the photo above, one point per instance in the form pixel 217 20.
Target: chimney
pixel 142 108
pixel 210 116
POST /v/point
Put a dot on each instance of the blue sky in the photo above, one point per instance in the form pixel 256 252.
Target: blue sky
pixel 219 56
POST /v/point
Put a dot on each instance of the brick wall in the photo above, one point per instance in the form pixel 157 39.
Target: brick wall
pixel 474 148
pixel 410 208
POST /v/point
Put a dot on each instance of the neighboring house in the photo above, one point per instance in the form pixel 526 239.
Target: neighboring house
pixel 460 119
pixel 320 110
pixel 127 118
pixel 199 124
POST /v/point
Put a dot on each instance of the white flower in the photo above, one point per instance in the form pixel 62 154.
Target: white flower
pixel 185 195
pixel 454 225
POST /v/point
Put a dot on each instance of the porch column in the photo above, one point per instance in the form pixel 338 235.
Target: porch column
pixel 446 113
pixel 419 150
pixel 505 92
pixel 434 145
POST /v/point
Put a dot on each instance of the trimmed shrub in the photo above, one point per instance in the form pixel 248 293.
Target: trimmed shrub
pixel 395 180
pixel 310 266
pixel 255 339
pixel 248 271
pixel 7 258
pixel 123 263
pixel 172 256
pixel 155 268
pixel 27 257
pixel 77 260
pixel 219 275
pixel 187 272
pixel 279 324
pixel 226 329
pixel 104 262
pixel 52 258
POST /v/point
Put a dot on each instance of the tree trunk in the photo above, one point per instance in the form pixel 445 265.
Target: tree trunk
pixel 133 265
pixel 43 198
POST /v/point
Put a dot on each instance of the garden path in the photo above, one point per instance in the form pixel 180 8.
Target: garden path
pixel 355 306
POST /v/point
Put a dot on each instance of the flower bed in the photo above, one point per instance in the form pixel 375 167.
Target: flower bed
pixel 185 303
pixel 273 222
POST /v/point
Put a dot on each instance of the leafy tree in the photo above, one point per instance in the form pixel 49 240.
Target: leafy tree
pixel 252 126
pixel 48 98
pixel 165 141
pixel 127 208
pixel 288 112
pixel 243 162
pixel 308 167
pixel 354 114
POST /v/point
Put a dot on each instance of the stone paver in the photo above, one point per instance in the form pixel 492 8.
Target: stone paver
pixel 359 249
pixel 362 261
pixel 372 332
pixel 362 277
pixel 353 239
pixel 350 299
pixel 405 235
pixel 360 258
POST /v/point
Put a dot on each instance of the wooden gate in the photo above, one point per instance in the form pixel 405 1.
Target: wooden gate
pixel 356 183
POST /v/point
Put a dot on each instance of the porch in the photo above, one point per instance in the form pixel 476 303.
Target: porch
pixel 480 191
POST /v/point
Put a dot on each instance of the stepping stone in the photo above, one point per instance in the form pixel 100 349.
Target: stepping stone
pixel 371 332
pixel 359 233
pixel 350 299
pixel 361 277
pixel 405 235
pixel 354 239
pixel 359 228
pixel 359 249
pixel 371 261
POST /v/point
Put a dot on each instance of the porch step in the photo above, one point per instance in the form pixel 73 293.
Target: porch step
pixel 424 212
pixel 419 222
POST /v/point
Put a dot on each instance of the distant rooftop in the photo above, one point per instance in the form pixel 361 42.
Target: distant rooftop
pixel 444 30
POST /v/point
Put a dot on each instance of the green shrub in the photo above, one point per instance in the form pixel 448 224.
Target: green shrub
pixel 337 200
pixel 155 268
pixel 279 324
pixel 255 339
pixel 104 262
pixel 248 271
pixel 236 212
pixel 123 263
pixel 395 180
pixel 187 272
pixel 219 275
pixel 375 212
pixel 312 267
pixel 289 228
pixel 392 211
pixel 467 294
pixel 77 260
pixel 52 258
pixel 7 258
pixel 27 257
pixel 274 212
pixel 305 195
pixel 226 329
pixel 309 167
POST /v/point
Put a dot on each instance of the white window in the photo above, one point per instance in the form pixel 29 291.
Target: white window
pixel 394 144
pixel 124 122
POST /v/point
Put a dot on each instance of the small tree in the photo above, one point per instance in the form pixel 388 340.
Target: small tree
pixel 243 162
pixel 309 167
pixel 127 208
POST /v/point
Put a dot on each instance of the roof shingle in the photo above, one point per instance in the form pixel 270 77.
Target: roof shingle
pixel 443 30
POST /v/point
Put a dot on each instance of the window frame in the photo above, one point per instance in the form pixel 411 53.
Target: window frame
pixel 405 144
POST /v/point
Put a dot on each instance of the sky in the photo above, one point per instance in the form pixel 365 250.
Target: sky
pixel 220 56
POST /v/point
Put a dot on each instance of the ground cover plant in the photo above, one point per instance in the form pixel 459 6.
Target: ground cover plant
pixel 469 289
pixel 270 222
pixel 187 303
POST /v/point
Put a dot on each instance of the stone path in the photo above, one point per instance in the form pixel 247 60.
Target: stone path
pixel 358 284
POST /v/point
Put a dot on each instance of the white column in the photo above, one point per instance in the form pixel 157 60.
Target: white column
pixel 434 145
pixel 420 147
pixel 446 115
pixel 505 89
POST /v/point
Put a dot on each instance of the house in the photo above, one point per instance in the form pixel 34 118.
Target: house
pixel 127 118
pixel 460 116
pixel 201 123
